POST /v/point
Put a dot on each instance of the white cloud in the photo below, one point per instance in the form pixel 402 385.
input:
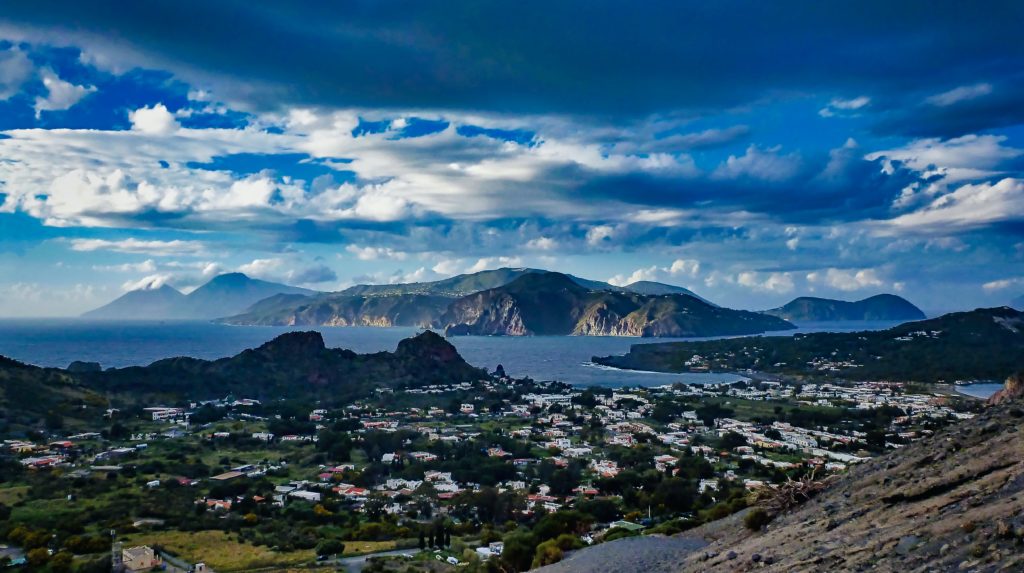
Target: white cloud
pixel 600 234
pixel 542 244
pixel 767 165
pixel 61 95
pixel 969 206
pixel 154 120
pixel 1003 284
pixel 15 68
pixel 150 282
pixel 959 94
pixel 846 279
pixel 263 268
pixel 776 282
pixel 679 268
pixel 957 159
pixel 487 263
pixel 448 267
pixel 374 253
pixel 156 248
pixel 147 266
pixel 841 105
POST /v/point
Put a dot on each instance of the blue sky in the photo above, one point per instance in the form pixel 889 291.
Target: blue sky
pixel 752 152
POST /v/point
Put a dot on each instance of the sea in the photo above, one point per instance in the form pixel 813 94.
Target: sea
pixel 58 342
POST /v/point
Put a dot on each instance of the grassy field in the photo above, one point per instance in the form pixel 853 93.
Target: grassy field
pixel 219 550
pixel 224 552
pixel 11 495
pixel 361 547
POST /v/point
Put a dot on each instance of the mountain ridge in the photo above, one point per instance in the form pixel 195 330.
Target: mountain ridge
pixel 554 304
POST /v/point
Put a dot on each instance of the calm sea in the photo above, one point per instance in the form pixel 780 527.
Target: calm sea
pixel 57 342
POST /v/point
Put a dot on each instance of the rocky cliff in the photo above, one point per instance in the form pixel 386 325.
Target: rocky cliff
pixel 555 304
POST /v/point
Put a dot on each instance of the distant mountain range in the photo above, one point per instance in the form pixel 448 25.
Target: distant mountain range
pixel 505 301
pixel 879 307
pixel 986 343
pixel 555 304
pixel 224 295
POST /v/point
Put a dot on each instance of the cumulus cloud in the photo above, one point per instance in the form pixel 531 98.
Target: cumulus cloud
pixel 846 279
pixel 542 244
pixel 757 163
pixel 369 253
pixel 680 268
pixel 60 95
pixel 967 207
pixel 956 159
pixel 774 282
pixel 153 120
pixel 600 234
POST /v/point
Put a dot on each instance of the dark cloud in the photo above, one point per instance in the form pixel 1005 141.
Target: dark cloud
pixel 580 57
pixel 314 275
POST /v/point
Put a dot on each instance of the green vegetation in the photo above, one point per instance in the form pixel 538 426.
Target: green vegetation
pixel 981 344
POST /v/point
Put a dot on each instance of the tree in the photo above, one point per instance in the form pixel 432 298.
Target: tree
pixel 37 557
pixel 447 537
pixel 519 550
pixel 546 554
pixel 330 547
pixel 431 539
pixel 423 541
pixel 61 562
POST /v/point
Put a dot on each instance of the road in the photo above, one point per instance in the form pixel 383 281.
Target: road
pixel 356 564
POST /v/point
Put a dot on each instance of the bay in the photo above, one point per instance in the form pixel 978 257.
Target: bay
pixel 58 342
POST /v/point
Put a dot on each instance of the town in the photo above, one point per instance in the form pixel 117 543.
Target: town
pixel 467 475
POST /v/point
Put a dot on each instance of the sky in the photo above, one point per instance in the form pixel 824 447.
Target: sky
pixel 750 151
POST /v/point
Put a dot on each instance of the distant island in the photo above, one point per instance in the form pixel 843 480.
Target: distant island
pixel 879 307
pixel 504 302
pixel 224 295
pixel 515 302
pixel 980 344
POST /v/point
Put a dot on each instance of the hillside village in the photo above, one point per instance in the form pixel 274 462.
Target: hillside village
pixel 474 461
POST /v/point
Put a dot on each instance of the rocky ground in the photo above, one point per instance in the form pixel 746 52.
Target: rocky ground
pixel 647 554
pixel 953 502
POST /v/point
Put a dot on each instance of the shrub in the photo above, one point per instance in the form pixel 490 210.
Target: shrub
pixel 756 519
pixel 547 553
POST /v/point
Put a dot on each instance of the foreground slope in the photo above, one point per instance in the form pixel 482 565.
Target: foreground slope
pixel 951 502
pixel 878 307
pixel 555 304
